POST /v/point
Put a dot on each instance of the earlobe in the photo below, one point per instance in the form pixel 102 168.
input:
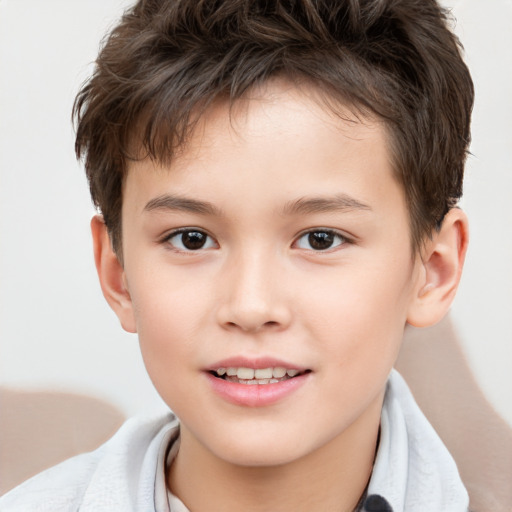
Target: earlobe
pixel 440 271
pixel 111 275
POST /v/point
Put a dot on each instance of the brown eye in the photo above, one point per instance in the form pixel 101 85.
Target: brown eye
pixel 190 240
pixel 193 240
pixel 320 240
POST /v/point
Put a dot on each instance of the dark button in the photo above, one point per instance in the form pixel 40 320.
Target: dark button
pixel 376 503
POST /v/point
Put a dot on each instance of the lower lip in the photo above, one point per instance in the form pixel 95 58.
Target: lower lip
pixel 256 395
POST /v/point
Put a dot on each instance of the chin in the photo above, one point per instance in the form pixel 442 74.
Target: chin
pixel 259 450
pixel 259 458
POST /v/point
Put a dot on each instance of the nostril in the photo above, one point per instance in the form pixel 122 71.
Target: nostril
pixel 250 326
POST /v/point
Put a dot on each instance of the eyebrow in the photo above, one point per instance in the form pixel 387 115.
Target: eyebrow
pixel 303 205
pixel 339 202
pixel 179 203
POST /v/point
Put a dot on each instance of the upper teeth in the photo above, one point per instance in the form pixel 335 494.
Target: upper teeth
pixel 259 373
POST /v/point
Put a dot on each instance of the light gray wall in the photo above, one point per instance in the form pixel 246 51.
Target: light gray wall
pixel 57 332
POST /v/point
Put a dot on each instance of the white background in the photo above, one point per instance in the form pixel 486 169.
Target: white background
pixel 56 331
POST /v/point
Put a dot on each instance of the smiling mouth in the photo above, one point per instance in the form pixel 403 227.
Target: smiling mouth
pixel 253 376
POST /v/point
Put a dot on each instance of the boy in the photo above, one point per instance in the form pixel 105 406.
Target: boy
pixel 277 184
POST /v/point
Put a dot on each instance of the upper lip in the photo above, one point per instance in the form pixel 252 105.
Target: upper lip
pixel 255 363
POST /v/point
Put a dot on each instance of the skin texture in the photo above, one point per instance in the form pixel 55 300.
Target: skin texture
pixel 258 289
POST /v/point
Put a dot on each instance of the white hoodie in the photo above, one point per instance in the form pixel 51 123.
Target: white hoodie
pixel 413 471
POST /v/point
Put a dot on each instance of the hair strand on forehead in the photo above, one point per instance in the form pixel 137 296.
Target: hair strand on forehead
pixel 167 61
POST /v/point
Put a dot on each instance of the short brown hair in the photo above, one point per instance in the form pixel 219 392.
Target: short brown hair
pixel 167 60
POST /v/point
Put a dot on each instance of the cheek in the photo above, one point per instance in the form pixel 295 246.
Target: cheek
pixel 165 335
pixel 361 311
pixel 358 328
pixel 165 299
pixel 167 315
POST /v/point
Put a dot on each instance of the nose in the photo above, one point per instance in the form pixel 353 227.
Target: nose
pixel 254 297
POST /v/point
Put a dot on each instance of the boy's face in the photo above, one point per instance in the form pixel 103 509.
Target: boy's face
pixel 277 238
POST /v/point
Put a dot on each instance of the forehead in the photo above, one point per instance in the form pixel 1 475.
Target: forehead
pixel 278 137
pixel 279 106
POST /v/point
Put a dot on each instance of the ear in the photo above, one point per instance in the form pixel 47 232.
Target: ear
pixel 111 274
pixel 440 271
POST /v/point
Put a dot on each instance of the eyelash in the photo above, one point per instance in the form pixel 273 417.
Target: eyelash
pixel 329 232
pixel 333 234
pixel 167 239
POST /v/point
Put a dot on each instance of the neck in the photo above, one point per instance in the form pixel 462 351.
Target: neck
pixel 333 477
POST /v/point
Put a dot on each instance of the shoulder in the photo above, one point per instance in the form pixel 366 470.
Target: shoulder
pixel 413 470
pixel 99 480
pixel 59 488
